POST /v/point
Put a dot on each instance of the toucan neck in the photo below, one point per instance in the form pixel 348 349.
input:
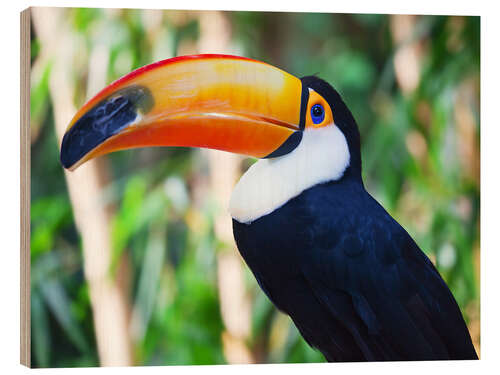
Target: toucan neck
pixel 352 176
pixel 321 156
pixel 353 172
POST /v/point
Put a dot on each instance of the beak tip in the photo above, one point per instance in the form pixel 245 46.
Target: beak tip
pixel 105 119
pixel 64 155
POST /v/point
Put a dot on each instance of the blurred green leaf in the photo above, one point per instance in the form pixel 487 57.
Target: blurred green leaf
pixel 150 272
pixel 39 97
pixel 48 216
pixel 125 223
pixel 58 302
pixel 40 331
pixel 83 18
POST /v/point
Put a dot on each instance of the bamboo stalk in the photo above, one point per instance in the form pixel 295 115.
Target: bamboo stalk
pixel 215 36
pixel 85 186
pixel 408 56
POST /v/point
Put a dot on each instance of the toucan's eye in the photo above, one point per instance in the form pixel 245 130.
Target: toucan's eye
pixel 317 113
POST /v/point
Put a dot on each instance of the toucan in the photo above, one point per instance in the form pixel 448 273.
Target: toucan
pixel 322 249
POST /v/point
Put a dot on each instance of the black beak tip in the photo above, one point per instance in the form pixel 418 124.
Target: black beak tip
pixel 105 119
pixel 64 156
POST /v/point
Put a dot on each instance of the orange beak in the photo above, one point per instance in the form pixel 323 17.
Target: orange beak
pixel 221 102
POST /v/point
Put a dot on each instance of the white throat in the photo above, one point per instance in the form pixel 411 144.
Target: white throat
pixel 321 156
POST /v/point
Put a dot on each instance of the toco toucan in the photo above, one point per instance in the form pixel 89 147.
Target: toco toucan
pixel 322 249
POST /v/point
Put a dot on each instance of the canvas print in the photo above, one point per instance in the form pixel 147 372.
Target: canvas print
pixel 217 187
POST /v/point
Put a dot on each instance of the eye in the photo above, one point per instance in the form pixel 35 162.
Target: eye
pixel 317 113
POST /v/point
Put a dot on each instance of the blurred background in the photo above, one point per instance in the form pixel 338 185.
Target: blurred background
pixel 132 256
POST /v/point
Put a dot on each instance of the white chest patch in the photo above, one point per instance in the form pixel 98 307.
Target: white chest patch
pixel 321 156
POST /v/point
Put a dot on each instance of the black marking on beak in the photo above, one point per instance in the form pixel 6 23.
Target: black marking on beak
pixel 288 146
pixel 294 139
pixel 105 119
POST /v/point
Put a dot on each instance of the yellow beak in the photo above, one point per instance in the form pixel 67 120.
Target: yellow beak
pixel 214 101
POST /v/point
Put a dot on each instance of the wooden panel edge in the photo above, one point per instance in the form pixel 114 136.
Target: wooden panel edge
pixel 25 168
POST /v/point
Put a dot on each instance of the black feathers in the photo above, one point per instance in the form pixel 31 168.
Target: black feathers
pixel 105 119
pixel 351 278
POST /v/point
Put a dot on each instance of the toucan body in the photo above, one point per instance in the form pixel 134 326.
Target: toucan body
pixel 355 284
pixel 322 249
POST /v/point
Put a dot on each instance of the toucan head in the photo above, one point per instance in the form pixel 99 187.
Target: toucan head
pixel 221 102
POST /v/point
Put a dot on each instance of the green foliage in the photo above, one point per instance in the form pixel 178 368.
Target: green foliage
pixel 418 161
pixel 48 216
pixel 126 222
pixel 39 95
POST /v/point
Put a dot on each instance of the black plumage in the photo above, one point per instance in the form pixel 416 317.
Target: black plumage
pixel 351 278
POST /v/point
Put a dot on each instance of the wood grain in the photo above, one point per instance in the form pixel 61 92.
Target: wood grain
pixel 25 167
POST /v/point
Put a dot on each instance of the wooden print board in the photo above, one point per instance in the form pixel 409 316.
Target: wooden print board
pixel 131 258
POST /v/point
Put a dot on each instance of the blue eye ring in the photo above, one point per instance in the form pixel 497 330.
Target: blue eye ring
pixel 317 113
